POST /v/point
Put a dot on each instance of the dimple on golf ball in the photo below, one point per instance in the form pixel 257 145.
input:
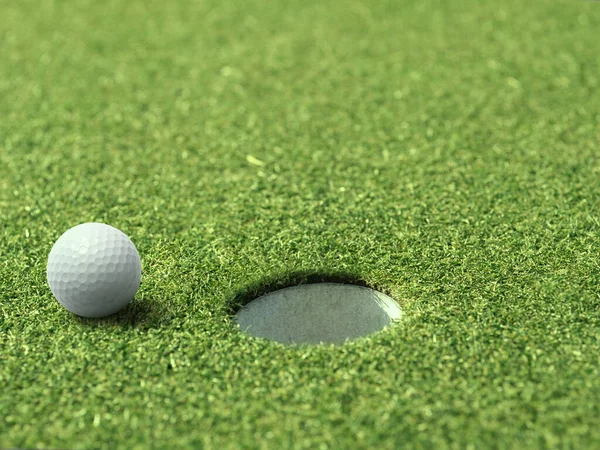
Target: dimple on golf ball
pixel 94 270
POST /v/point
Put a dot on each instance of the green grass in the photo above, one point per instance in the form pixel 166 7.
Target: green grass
pixel 446 153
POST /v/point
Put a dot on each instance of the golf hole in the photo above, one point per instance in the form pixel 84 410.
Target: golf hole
pixel 319 313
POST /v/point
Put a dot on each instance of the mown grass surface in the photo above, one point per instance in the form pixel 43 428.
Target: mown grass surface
pixel 446 153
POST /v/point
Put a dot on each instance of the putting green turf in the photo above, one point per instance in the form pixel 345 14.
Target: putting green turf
pixel 446 153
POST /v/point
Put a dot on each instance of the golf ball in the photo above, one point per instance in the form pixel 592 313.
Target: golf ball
pixel 94 270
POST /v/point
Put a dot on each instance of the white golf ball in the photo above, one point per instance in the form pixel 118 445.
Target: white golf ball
pixel 94 270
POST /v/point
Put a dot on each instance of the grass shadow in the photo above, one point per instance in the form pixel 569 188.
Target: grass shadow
pixel 288 279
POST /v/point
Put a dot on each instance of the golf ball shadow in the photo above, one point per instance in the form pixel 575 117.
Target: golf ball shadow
pixel 144 313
